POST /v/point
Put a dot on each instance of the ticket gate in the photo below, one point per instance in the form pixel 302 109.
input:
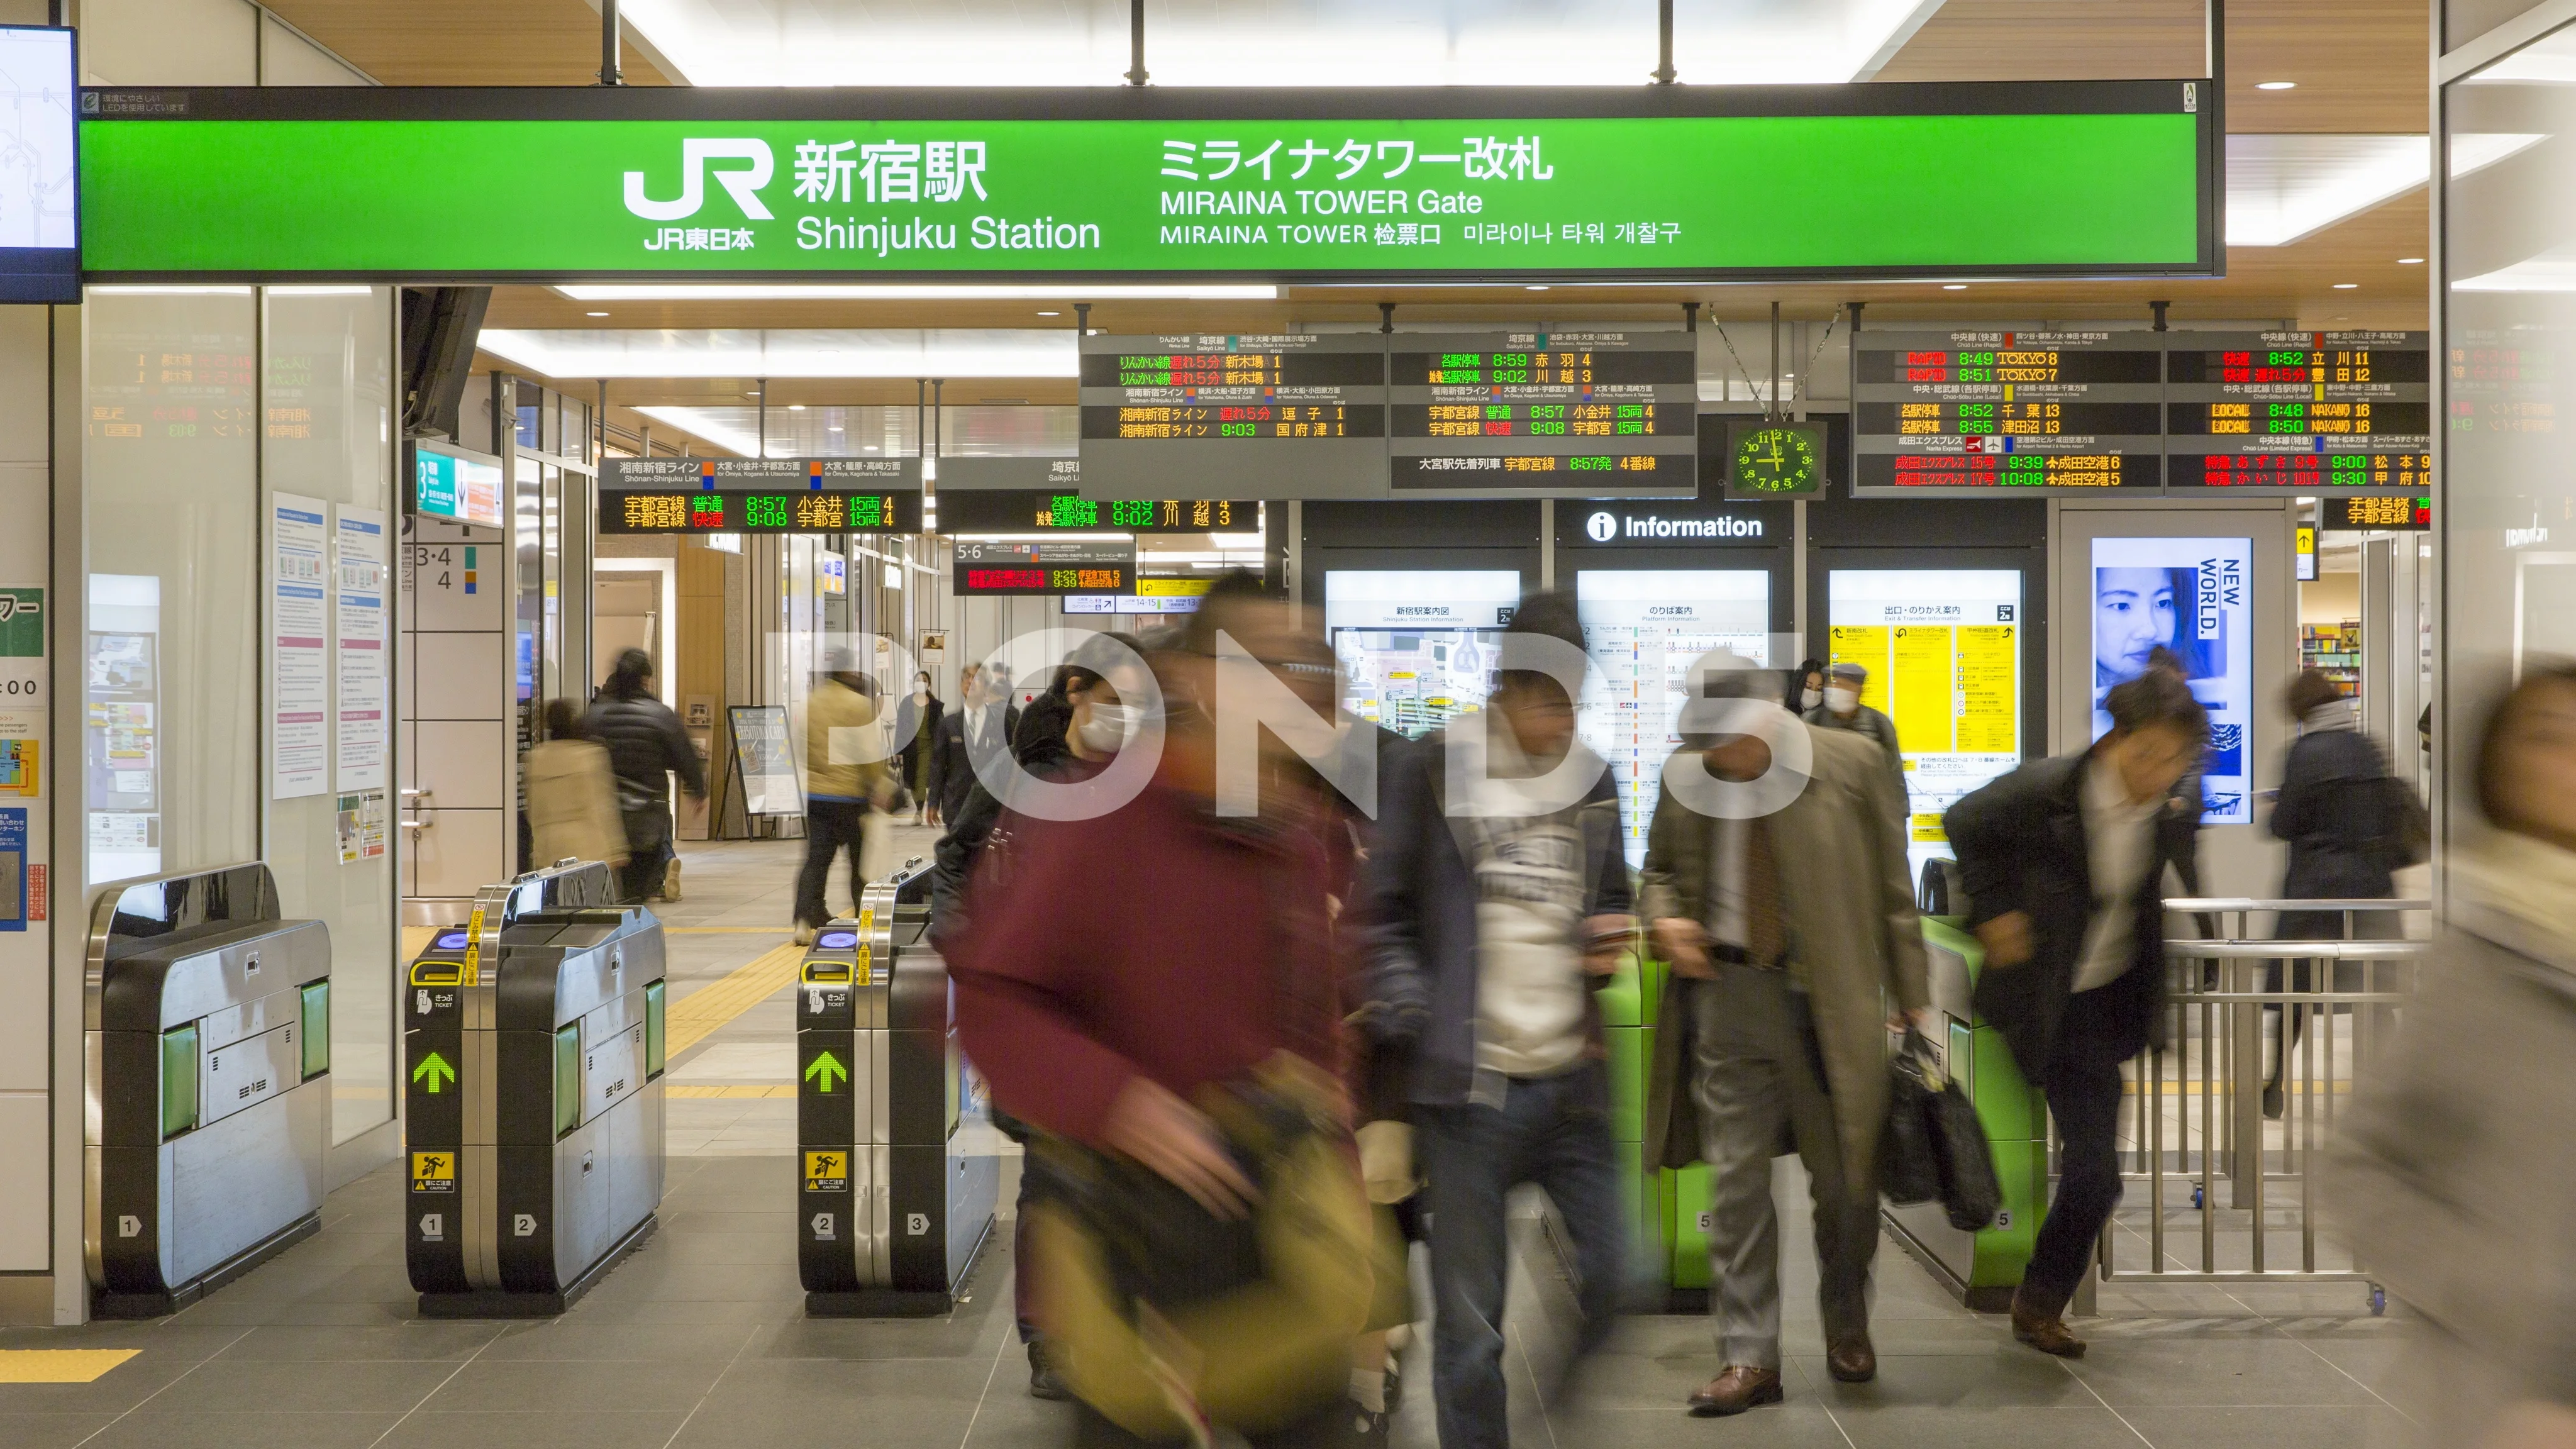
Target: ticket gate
pixel 207 1061
pixel 898 1163
pixel 533 1059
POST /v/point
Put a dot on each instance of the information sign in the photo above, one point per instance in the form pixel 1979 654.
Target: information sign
pixel 1096 564
pixel 763 765
pixel 1417 647
pixel 1019 510
pixel 2298 412
pixel 1577 414
pixel 1299 415
pixel 2376 514
pixel 1976 409
pixel 1943 651
pixel 452 486
pixel 760 495
pixel 1643 628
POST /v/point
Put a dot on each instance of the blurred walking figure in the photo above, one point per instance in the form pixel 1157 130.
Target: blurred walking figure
pixel 2064 862
pixel 2455 1171
pixel 916 725
pixel 646 746
pixel 969 738
pixel 1202 1244
pixel 1842 710
pixel 2346 822
pixel 572 794
pixel 1789 935
pixel 844 786
pixel 1486 924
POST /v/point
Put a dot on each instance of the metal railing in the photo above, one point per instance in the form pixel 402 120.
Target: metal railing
pixel 2207 1098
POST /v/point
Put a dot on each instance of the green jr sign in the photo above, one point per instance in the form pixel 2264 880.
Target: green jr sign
pixel 1772 183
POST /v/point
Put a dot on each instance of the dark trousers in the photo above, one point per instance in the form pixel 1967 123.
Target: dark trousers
pixel 1551 1131
pixel 2084 1096
pixel 648 846
pixel 830 827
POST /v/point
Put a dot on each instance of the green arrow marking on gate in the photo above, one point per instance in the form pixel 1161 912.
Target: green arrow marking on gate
pixel 821 1070
pixel 431 1069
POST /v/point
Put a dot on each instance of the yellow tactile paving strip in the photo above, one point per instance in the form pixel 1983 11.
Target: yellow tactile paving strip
pixel 697 1016
pixel 59 1365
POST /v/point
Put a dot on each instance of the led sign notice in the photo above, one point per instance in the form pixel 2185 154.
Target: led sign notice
pixel 2307 412
pixel 1543 412
pixel 450 486
pixel 1324 185
pixel 2381 515
pixel 1999 409
pixel 1303 412
pixel 707 511
pixel 1018 510
pixel 1094 565
pixel 758 475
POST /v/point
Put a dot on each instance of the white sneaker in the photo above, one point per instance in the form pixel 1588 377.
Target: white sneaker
pixel 671 880
pixel 804 935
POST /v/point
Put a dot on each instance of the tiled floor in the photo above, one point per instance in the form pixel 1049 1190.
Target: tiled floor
pixel 699 1338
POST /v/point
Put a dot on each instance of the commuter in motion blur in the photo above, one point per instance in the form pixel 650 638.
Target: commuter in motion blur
pixel 916 726
pixel 647 746
pixel 1842 710
pixel 970 737
pixel 2347 825
pixel 846 781
pixel 2064 862
pixel 1487 920
pixel 1202 1252
pixel 572 795
pixel 1789 933
pixel 2454 1171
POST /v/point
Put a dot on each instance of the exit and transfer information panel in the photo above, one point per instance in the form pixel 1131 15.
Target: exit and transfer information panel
pixel 1967 410
pixel 1287 415
pixel 1543 413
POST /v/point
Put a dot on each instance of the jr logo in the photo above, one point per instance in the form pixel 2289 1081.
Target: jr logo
pixel 743 184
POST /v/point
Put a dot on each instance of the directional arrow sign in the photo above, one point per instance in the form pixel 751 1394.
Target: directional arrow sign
pixel 822 1069
pixel 432 1069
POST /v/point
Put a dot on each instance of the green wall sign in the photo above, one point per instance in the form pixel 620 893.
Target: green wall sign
pixel 1954 180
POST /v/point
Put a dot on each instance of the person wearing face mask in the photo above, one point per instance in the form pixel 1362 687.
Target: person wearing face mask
pixel 916 726
pixel 1806 687
pixel 1841 709
pixel 2064 862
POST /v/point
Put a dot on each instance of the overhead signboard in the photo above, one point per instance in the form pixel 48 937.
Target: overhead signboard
pixel 759 495
pixel 1543 413
pixel 1331 185
pixel 1022 510
pixel 1971 410
pixel 40 255
pixel 2376 515
pixel 1300 415
pixel 1093 564
pixel 763 475
pixel 456 487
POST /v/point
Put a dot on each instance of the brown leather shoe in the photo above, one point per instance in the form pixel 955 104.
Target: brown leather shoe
pixel 1852 1361
pixel 1737 1388
pixel 2043 1329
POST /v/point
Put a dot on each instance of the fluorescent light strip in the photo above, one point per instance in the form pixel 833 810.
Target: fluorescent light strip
pixel 950 353
pixel 924 292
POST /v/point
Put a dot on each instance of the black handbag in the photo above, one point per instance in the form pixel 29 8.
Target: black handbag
pixel 1907 1172
pixel 1939 1122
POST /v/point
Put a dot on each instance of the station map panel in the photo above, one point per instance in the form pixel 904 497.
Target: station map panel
pixel 2262 412
pixel 1545 413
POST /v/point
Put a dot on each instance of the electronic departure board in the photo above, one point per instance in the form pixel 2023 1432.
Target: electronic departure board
pixel 2379 514
pixel 2298 412
pixel 1095 565
pixel 1290 415
pixel 1544 414
pixel 760 495
pixel 1979 409
pixel 1019 510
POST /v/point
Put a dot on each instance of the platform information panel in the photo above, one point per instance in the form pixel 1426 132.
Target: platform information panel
pixel 2298 412
pixel 1577 414
pixel 1300 415
pixel 760 495
pixel 1418 647
pixel 1977 409
pixel 1943 651
pixel 1020 510
pixel 1092 564
pixel 1643 628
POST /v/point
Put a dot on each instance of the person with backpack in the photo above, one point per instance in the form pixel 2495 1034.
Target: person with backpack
pixel 572 795
pixel 647 746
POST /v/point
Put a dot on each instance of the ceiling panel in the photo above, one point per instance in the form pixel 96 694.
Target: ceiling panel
pixel 465 42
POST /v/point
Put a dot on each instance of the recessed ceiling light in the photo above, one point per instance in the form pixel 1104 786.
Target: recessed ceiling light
pixel 2410 261
pixel 836 427
pixel 1954 286
pixel 2276 85
pixel 2345 286
pixel 1537 287
pixel 594 314
pixel 796 407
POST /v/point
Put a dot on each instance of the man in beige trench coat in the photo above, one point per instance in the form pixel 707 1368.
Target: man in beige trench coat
pixel 1793 938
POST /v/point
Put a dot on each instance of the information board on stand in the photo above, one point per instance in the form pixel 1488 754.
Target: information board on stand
pixel 1943 651
pixel 1544 414
pixel 1969 411
pixel 764 769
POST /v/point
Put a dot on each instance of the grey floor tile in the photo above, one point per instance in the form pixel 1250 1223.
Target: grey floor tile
pixel 114 1392
pixel 539 1429
pixel 197 1429
pixel 571 1340
pixel 2350 1427
pixel 226 1386
pixel 1009 1419
pixel 2375 1363
pixel 49 1431
pixel 417 1340
pixel 961 1336
pixel 2250 1371
pixel 523 1385
pixel 2086 1426
pixel 1790 1425
pixel 170 1340
pixel 663 1279
pixel 646 1309
pixel 912 1404
pixel 258 1312
pixel 2010 1377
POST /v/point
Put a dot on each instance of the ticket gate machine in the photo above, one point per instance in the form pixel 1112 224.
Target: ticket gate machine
pixel 898 1163
pixel 533 1059
pixel 206 1040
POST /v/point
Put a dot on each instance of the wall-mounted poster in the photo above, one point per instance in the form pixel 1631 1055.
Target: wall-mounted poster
pixel 2193 597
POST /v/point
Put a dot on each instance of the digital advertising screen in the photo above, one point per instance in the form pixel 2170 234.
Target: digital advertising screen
pixel 1943 651
pixel 2195 597
pixel 1643 627
pixel 40 256
pixel 1418 649
pixel 458 488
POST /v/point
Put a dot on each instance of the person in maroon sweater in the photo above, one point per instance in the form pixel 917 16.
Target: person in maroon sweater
pixel 1135 959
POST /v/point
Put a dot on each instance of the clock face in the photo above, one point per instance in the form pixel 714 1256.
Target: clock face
pixel 1776 460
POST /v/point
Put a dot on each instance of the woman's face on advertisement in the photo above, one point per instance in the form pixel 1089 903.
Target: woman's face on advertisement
pixel 2133 613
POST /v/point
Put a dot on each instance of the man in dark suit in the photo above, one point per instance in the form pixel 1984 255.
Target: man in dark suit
pixel 978 731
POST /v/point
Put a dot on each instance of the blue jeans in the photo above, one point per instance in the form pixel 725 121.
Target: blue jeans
pixel 1552 1131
